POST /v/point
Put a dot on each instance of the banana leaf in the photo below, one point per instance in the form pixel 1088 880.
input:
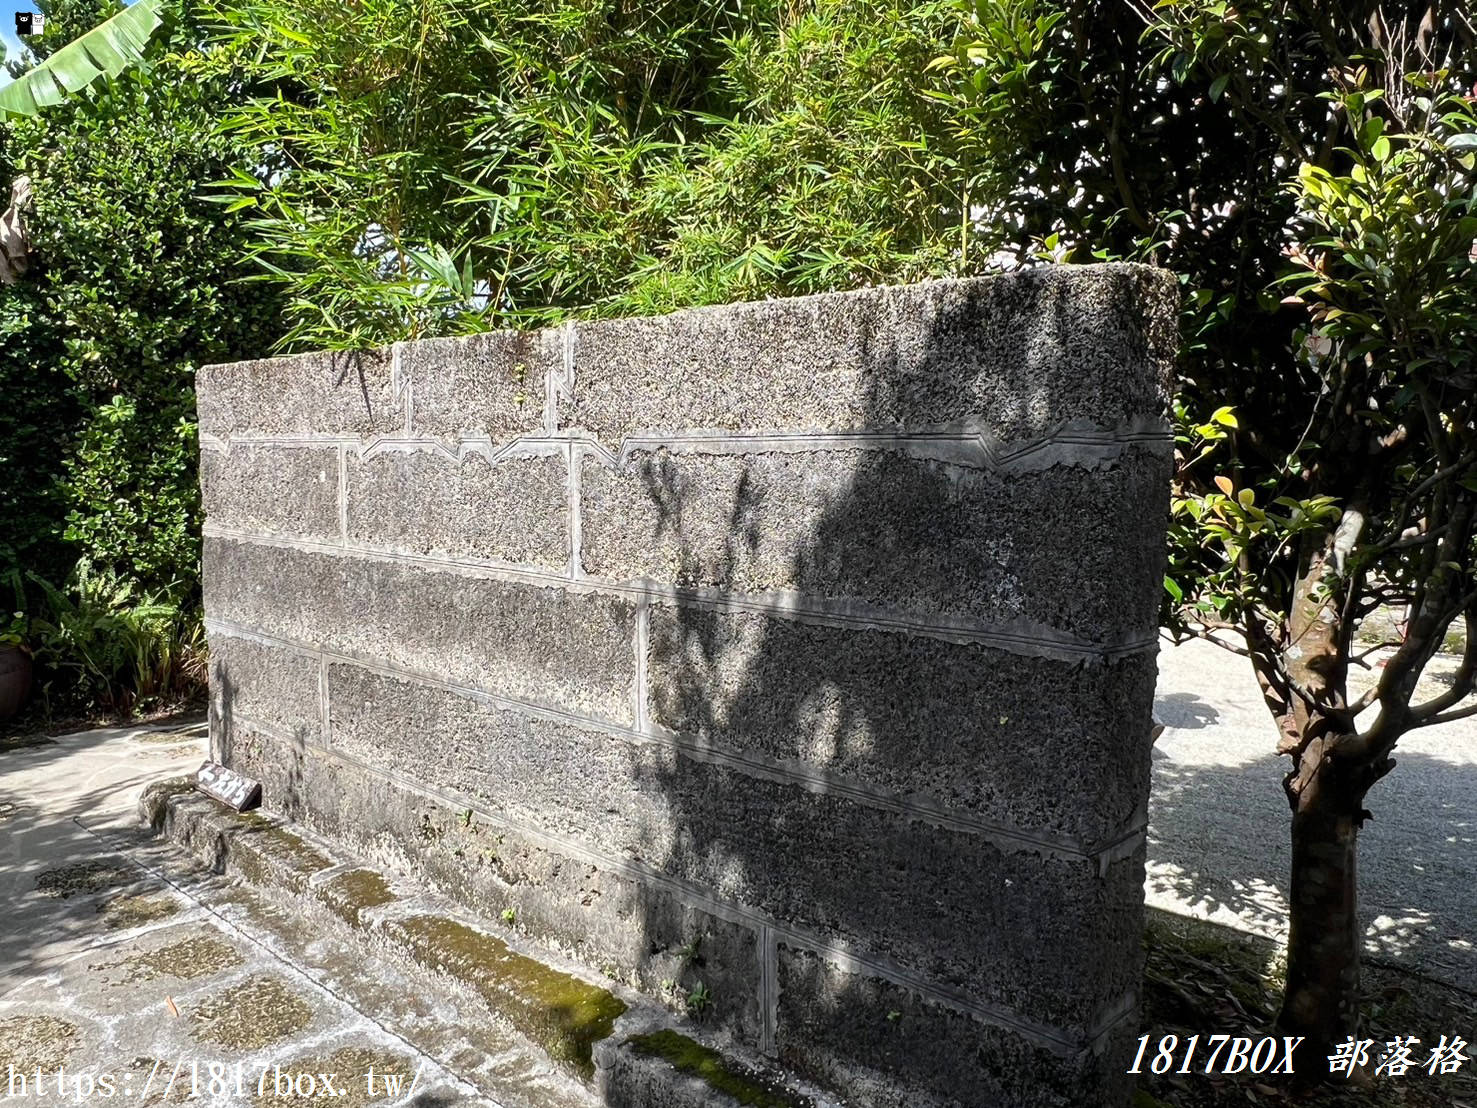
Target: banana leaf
pixel 105 51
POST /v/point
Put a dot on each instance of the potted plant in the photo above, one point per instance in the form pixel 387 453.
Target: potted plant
pixel 15 666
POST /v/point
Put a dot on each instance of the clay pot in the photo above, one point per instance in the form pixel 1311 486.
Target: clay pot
pixel 15 680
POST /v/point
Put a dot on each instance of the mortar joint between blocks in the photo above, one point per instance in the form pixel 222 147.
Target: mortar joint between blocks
pixel 343 496
pixel 769 993
pixel 574 457
pixel 643 648
pixel 325 712
pixel 401 386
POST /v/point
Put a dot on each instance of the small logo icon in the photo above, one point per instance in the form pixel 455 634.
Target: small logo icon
pixel 28 24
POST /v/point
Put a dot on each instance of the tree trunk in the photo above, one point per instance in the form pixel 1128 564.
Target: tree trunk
pixel 1321 1001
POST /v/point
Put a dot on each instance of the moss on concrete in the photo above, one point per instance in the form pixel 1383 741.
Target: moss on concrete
pixel 264 852
pixel 83 879
pixel 32 1042
pixel 689 1057
pixel 187 959
pixel 136 910
pixel 349 894
pixel 565 1015
pixel 251 1015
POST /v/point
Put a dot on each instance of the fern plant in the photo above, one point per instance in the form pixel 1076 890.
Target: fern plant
pixel 102 643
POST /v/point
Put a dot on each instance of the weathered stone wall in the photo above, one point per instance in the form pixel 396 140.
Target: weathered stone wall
pixel 802 651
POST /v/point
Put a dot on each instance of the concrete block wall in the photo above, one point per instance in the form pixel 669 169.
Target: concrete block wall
pixel 793 660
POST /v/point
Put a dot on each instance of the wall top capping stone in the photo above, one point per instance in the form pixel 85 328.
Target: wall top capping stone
pixel 1015 356
pixel 1018 353
pixel 340 392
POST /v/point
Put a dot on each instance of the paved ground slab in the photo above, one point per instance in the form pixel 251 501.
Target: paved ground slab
pixel 130 972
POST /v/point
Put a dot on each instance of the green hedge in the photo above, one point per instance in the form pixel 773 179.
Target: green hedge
pixel 136 280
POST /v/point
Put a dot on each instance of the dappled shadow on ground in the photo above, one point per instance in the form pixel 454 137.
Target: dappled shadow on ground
pixel 1201 979
pixel 1219 849
pixel 35 726
pixel 56 874
pixel 1184 711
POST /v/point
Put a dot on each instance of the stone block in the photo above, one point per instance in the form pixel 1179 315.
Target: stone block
pixel 882 881
pixel 1069 548
pixel 265 684
pixel 426 503
pixel 272 490
pixel 557 647
pixel 1044 937
pixel 1022 352
pixel 882 1046
pixel 490 384
pixel 344 393
pixel 529 769
pixel 1040 745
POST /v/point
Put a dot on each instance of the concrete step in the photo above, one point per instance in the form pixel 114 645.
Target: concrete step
pixel 517 1022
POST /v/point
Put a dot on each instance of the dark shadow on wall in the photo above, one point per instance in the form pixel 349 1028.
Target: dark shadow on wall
pixel 234 745
pixel 345 362
pixel 842 701
pixel 222 713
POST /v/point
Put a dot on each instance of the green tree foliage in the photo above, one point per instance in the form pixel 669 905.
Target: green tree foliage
pixel 133 281
pixel 1308 171
pixel 836 168
pixel 106 50
pixel 66 20
pixel 37 415
pixel 355 118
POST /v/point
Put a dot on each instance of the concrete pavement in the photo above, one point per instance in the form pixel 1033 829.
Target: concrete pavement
pixel 153 982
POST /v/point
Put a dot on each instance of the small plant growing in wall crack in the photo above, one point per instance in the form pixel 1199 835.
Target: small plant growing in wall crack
pixel 467 818
pixel 699 1000
pixel 510 915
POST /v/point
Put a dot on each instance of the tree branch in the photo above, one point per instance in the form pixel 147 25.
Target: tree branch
pixel 1372 649
pixel 1450 717
pixel 1435 610
pixel 1465 678
pixel 1206 630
